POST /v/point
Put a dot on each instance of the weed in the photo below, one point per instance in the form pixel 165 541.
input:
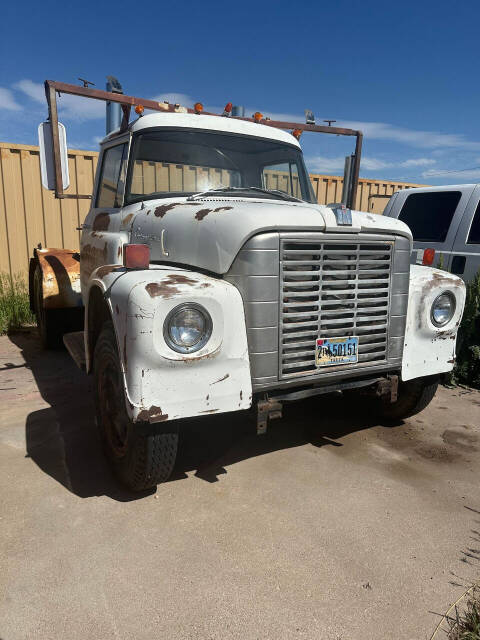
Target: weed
pixel 14 303
pixel 467 367
pixel 466 624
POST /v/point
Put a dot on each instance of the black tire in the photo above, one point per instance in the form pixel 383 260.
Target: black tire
pixel 140 456
pixel 48 320
pixel 52 324
pixel 413 396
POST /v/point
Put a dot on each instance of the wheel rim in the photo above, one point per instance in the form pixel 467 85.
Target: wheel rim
pixel 112 413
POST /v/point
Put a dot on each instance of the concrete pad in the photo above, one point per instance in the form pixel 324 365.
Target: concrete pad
pixel 331 526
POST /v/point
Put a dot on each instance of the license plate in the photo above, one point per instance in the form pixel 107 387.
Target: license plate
pixel 331 351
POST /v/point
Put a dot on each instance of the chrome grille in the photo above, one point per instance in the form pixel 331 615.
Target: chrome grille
pixel 333 288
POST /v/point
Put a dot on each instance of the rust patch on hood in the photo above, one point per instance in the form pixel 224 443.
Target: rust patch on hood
pixel 200 215
pixel 127 218
pixel 167 288
pixel 153 414
pixel 101 222
pixel 165 208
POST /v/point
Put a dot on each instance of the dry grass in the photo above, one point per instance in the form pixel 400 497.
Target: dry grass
pixel 465 624
pixel 14 304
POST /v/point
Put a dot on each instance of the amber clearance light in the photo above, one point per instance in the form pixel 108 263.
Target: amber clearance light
pixel 257 116
pixel 296 133
pixel 136 256
pixel 139 109
pixel 198 107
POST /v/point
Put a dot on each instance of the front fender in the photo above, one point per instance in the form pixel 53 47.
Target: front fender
pixel 427 349
pixel 160 383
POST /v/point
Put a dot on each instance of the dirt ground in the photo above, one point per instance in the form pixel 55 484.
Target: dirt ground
pixel 331 526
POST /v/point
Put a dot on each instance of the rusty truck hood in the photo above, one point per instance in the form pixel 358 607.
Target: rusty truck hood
pixel 208 233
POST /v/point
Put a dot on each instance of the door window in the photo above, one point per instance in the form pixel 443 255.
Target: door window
pixel 108 185
pixel 474 235
pixel 430 214
pixel 282 177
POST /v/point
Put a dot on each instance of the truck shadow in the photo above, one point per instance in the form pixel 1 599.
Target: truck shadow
pixel 63 440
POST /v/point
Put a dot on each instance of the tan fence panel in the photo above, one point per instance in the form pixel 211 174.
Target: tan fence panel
pixel 372 195
pixel 30 215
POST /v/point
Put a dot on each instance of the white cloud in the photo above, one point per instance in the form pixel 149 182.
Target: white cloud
pixel 374 164
pixel 175 98
pixel 460 174
pixel 417 162
pixel 34 90
pixel 7 100
pixel 69 107
pixel 412 137
pixel 322 164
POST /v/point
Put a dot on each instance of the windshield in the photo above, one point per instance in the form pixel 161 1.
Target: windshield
pixel 184 162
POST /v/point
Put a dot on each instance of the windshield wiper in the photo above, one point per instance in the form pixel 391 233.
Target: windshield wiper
pixel 275 192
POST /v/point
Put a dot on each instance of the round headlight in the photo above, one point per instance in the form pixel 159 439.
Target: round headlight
pixel 187 328
pixel 443 308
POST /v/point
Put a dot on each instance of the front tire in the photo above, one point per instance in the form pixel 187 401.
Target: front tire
pixel 413 396
pixel 139 456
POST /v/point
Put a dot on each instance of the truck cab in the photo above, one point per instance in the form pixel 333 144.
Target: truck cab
pixel 211 281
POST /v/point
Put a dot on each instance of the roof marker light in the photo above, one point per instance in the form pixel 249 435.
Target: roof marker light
pixel 228 109
pixel 198 107
pixel 257 116
pixel 296 133
pixel 139 109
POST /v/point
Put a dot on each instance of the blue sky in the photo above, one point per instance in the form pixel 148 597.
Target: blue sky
pixel 403 73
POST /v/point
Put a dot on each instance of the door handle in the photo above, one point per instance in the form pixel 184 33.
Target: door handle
pixel 162 238
pixel 458 265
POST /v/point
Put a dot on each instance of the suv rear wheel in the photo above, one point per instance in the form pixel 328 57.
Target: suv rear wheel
pixel 140 456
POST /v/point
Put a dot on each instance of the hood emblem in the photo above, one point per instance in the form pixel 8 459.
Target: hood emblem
pixel 342 214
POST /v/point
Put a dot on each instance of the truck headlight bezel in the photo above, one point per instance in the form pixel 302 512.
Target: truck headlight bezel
pixel 172 324
pixel 443 301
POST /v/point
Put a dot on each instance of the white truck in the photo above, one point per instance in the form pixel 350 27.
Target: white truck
pixel 209 280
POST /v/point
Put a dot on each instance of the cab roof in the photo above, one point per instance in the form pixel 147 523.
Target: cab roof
pixel 213 123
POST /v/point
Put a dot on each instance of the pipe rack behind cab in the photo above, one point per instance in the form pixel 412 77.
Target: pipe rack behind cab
pixel 127 102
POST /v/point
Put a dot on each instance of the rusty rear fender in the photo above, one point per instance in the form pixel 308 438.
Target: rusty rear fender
pixel 60 278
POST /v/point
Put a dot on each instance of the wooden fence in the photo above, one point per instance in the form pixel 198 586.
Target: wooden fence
pixel 30 215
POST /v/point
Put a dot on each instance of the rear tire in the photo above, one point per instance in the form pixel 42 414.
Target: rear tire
pixel 48 320
pixel 413 396
pixel 139 455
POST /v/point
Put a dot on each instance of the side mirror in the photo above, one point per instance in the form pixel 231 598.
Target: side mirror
pixel 47 160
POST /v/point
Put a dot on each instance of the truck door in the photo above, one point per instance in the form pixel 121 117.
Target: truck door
pixel 100 231
pixel 465 261
pixel 433 215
